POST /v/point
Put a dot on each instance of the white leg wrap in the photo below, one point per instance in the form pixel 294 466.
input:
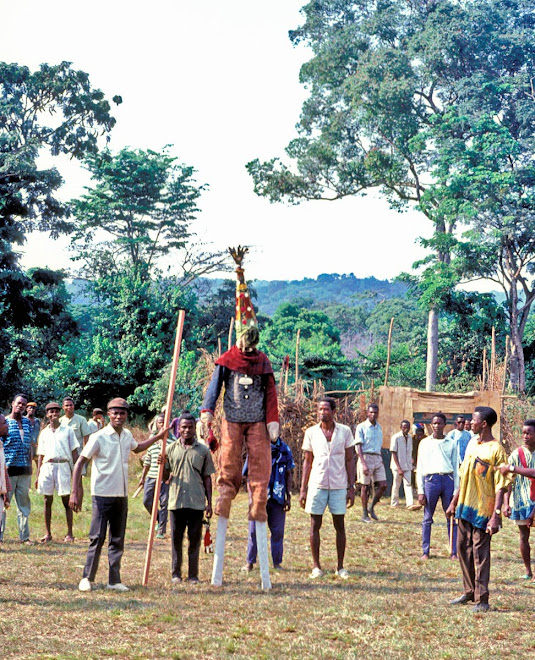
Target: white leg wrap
pixel 219 552
pixel 262 545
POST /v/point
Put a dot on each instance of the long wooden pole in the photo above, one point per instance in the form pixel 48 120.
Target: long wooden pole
pixel 297 356
pixel 231 328
pixel 167 421
pixel 389 350
pixel 492 359
pixel 505 364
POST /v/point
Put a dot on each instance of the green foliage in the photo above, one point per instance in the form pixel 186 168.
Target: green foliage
pixel 143 200
pixel 320 354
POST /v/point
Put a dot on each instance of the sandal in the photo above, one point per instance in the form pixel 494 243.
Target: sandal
pixel 68 539
pixel 46 539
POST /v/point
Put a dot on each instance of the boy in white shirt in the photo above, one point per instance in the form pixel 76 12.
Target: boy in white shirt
pixel 57 451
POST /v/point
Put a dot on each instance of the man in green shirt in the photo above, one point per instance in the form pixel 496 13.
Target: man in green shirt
pixel 190 495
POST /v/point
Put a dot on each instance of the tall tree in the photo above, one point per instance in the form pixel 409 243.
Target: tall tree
pixel 144 200
pixel 383 83
pixel 54 110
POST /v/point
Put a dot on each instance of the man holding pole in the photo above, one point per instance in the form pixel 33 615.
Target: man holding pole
pixel 110 449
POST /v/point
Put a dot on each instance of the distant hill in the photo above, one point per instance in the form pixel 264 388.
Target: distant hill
pixel 325 289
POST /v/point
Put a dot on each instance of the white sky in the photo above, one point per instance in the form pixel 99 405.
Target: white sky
pixel 219 81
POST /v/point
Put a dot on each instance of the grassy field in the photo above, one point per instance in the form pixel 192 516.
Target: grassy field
pixel 393 605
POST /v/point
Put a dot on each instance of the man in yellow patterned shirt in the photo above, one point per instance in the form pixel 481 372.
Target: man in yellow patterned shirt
pixel 477 507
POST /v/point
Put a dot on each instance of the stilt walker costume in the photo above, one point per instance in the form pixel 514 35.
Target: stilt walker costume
pixel 251 414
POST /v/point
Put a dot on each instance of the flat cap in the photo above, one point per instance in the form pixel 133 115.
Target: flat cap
pixel 98 411
pixel 118 402
pixel 52 404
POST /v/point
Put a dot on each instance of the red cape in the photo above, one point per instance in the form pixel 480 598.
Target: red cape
pixel 254 363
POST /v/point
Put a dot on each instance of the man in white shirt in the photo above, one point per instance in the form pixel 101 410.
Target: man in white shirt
pixel 437 477
pixel 370 468
pixel 401 465
pixel 97 420
pixel 328 480
pixel 57 449
pixel 110 449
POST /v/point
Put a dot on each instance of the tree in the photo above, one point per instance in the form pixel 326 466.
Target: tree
pixel 144 199
pixel 54 110
pixel 384 81
pixel 320 354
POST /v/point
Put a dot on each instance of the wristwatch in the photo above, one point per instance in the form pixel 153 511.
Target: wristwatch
pixel 498 512
pixel 511 468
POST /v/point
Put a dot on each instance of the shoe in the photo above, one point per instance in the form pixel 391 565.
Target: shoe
pixel 85 585
pixel 462 600
pixel 46 538
pixel 372 514
pixel 316 573
pixel 176 580
pixel 118 586
pixel 480 607
pixel 342 573
pixel 414 507
pixel 366 519
pixel 160 536
pixel 68 539
pixel 424 557
pixel 394 506
pixel 247 568
pixel 26 542
pixel 193 580
pixel 277 567
pixel 454 557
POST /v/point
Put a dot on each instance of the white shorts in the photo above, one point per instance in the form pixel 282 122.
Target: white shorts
pixel 376 469
pixel 54 476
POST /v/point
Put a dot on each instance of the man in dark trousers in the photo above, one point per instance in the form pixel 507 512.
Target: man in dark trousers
pixel 478 507
pixel 110 449
pixel 190 495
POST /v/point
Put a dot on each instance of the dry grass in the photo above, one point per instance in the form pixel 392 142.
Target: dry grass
pixel 393 606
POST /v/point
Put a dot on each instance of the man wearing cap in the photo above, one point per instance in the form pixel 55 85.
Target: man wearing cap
pixel 97 420
pixel 57 450
pixel 110 449
pixel 76 422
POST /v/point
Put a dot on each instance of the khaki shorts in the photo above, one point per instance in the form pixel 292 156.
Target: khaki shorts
pixel 376 469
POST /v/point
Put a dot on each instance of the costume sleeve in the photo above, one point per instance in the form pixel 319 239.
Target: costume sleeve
pixel 359 435
pixel 394 442
pixel 272 405
pixel 146 458
pixel 214 389
pixel 290 465
pixel 40 442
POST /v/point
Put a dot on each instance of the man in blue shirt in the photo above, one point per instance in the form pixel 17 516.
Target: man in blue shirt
pixel 18 453
pixel 279 502
pixel 461 436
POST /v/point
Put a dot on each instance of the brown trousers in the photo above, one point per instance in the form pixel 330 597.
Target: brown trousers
pixel 473 549
pixel 230 467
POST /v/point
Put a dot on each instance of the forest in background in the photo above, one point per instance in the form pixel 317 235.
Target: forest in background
pixel 429 104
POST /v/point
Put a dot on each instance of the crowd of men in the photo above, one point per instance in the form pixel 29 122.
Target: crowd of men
pixel 467 470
